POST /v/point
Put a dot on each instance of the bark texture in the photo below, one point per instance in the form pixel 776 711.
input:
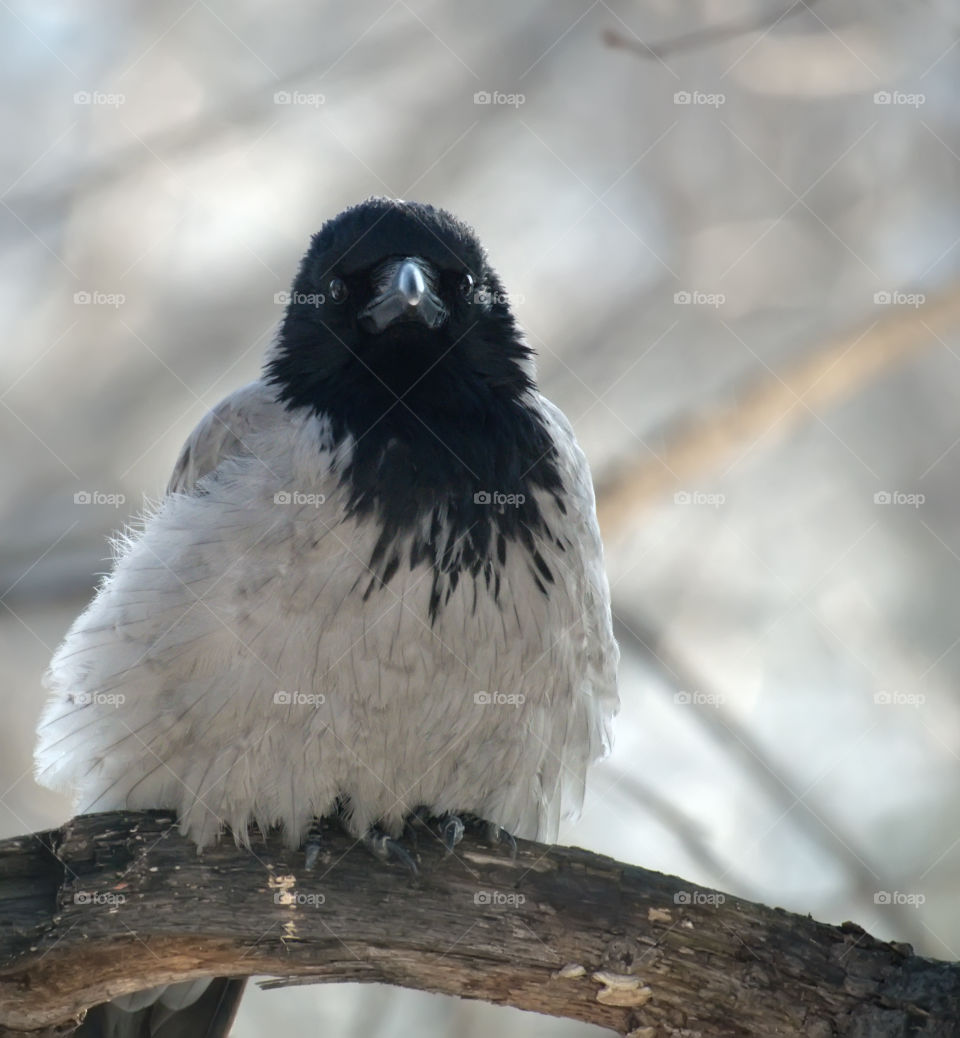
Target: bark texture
pixel 114 902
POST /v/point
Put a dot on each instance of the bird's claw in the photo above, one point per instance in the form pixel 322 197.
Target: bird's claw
pixel 312 845
pixel 449 828
pixel 497 834
pixel 451 831
pixel 389 850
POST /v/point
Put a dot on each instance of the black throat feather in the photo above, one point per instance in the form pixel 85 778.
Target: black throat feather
pixel 448 452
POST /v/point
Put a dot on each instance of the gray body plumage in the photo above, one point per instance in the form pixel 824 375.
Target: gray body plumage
pixel 231 668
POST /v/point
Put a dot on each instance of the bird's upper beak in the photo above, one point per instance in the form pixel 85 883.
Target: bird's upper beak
pixel 404 292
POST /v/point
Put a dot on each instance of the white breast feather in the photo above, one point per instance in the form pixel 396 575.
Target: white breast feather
pixel 167 691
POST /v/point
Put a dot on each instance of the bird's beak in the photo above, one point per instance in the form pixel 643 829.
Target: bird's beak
pixel 404 292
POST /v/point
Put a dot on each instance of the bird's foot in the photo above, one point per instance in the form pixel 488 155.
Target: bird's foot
pixel 447 828
pixel 450 828
pixel 451 831
pixel 387 849
pixel 497 834
pixel 492 833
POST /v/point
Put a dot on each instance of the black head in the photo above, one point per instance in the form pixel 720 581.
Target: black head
pixel 397 301
pixel 399 333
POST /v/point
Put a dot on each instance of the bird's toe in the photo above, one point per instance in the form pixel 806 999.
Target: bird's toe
pixel 388 850
pixel 497 834
pixel 312 845
pixel 451 831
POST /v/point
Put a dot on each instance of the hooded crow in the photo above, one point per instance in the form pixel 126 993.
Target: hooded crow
pixel 375 585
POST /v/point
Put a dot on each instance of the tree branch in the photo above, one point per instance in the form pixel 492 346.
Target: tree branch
pixel 767 410
pixel 698 39
pixel 115 902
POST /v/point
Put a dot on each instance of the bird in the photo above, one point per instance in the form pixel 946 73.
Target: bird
pixel 374 586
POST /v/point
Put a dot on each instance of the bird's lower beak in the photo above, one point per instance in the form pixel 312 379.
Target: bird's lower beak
pixel 404 293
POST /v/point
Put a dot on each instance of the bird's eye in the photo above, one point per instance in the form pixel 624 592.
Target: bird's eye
pixel 338 290
pixel 466 286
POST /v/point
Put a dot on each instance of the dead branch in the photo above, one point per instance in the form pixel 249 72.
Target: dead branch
pixel 115 902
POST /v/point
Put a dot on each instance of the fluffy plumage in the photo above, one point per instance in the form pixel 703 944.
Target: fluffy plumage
pixel 376 578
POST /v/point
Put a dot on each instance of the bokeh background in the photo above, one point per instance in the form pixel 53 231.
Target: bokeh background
pixel 731 230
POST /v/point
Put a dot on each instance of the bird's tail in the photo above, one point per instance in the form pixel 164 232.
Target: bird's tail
pixel 194 1009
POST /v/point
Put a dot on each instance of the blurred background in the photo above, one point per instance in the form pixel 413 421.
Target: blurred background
pixel 731 230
